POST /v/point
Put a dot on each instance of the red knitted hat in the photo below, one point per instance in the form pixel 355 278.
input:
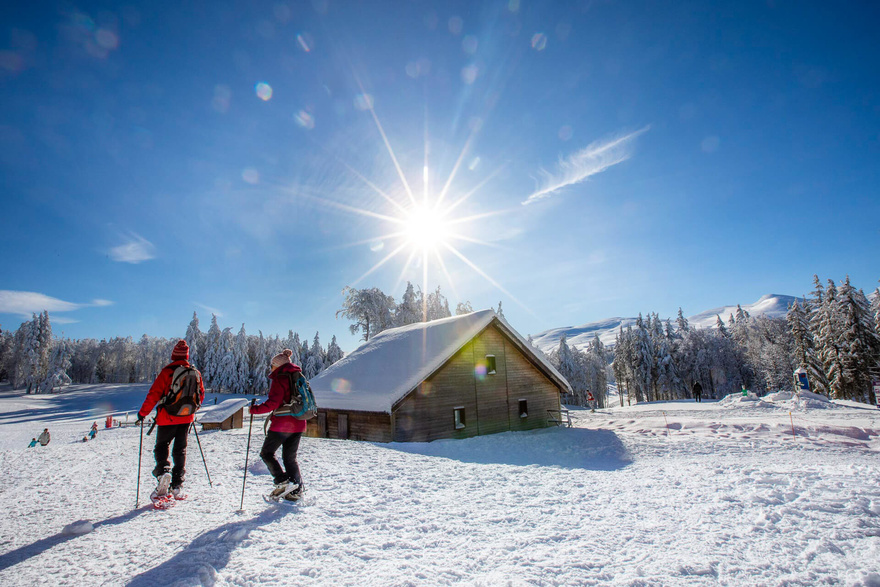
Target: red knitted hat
pixel 180 352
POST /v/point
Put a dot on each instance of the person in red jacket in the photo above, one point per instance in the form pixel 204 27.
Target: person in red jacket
pixel 174 428
pixel 284 431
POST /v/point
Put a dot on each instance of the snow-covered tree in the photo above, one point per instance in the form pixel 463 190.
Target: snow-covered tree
pixel 213 355
pixel 334 352
pixel 195 339
pixel 59 363
pixel 463 308
pixel 369 308
pixel 409 310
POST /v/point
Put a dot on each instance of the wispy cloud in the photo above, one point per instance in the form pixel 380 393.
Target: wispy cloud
pixel 137 249
pixel 209 309
pixel 26 303
pixel 595 158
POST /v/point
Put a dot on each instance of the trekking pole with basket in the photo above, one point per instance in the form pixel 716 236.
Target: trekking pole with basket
pixel 246 455
pixel 137 496
pixel 204 462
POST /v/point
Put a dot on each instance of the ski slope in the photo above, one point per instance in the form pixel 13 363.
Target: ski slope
pixel 672 493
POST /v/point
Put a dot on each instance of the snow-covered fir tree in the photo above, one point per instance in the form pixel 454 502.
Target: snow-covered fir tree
pixel 334 352
pixel 195 339
pixel 213 354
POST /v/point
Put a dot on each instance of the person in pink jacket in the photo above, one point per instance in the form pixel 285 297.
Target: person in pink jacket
pixel 284 431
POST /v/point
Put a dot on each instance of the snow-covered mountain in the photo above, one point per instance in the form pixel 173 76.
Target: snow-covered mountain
pixel 772 305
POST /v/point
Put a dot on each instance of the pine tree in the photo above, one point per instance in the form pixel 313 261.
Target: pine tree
pixel 410 310
pixel 240 374
pixel 463 308
pixel 682 323
pixel 225 377
pixel 194 338
pixel 859 344
pixel 315 360
pixel 213 355
pixel 334 353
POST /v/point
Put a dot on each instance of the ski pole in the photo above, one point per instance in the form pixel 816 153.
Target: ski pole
pixel 246 455
pixel 137 496
pixel 150 431
pixel 204 462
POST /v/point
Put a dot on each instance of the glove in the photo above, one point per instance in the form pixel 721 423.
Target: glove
pixel 139 420
pixel 253 402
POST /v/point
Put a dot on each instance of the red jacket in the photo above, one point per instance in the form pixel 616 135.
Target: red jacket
pixel 279 390
pixel 160 387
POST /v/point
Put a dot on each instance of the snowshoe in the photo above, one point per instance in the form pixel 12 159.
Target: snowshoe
pixel 178 494
pixel 296 493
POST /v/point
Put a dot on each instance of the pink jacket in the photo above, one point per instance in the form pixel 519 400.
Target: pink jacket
pixel 279 391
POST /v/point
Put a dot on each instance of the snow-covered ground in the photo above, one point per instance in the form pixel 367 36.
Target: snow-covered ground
pixel 672 493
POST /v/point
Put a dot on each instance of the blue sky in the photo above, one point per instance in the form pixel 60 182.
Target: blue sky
pixel 592 159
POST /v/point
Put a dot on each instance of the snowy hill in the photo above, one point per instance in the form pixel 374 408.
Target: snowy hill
pixel 772 305
pixel 744 491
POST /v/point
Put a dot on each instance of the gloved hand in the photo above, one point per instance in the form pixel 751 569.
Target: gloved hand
pixel 253 402
pixel 139 420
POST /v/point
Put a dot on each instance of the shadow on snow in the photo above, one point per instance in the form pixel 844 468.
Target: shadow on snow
pixel 569 448
pixel 206 554
pixel 23 553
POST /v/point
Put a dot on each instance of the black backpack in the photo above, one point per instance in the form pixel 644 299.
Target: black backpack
pixel 184 396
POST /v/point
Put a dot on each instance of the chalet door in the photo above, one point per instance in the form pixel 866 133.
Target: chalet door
pixel 343 426
pixel 322 424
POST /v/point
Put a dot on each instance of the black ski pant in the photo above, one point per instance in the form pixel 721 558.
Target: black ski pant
pixel 164 435
pixel 289 441
pixel 698 397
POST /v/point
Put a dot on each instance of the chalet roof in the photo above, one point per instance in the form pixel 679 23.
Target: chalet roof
pixel 217 414
pixel 394 362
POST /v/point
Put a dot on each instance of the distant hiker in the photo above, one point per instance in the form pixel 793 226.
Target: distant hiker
pixel 33 443
pixel 44 438
pixel 179 391
pixel 698 392
pixel 284 431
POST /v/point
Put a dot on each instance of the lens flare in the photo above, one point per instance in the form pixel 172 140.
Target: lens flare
pixel 264 91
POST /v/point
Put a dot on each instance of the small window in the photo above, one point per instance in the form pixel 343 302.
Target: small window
pixel 459 418
pixel 490 364
pixel 523 408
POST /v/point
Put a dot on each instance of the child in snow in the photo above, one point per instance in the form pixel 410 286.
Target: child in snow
pixel 33 443
pixel 284 431
pixel 171 427
pixel 44 438
pixel 94 431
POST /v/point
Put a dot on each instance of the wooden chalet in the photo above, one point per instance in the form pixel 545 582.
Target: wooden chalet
pixel 451 378
pixel 226 415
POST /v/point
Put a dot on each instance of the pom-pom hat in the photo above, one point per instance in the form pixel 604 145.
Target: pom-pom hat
pixel 281 358
pixel 180 352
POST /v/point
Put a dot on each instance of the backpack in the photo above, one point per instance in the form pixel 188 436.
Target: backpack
pixel 301 403
pixel 184 396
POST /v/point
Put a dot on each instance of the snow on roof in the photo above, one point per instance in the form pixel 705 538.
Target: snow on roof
pixel 216 414
pixel 394 362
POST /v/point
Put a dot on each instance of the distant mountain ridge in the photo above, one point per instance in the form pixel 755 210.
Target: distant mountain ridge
pixel 772 305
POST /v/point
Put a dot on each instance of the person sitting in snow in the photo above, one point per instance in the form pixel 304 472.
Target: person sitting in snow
pixel 44 438
pixel 33 443
pixel 94 431
pixel 284 431
pixel 174 428
pixel 744 390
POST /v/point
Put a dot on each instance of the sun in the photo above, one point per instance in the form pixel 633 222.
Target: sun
pixel 424 228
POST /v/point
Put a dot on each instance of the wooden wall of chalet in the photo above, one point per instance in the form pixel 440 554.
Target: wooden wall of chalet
pixel 490 401
pixel 236 420
pixel 351 425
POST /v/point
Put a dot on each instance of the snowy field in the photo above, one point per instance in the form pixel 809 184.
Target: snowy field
pixel 657 494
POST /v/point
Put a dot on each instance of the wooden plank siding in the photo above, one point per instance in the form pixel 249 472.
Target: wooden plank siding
pixel 491 402
pixel 371 426
pixel 427 413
